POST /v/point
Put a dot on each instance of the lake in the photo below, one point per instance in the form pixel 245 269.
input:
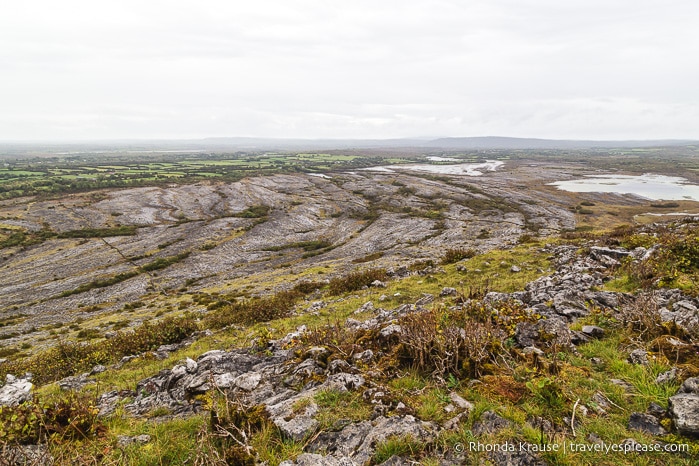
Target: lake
pixel 648 185
pixel 468 169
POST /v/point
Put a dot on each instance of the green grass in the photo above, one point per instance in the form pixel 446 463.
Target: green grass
pixel 404 446
pixel 548 389
pixel 336 406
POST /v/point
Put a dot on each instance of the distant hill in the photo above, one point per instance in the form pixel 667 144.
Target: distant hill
pixel 495 142
pixel 222 144
pixel 489 142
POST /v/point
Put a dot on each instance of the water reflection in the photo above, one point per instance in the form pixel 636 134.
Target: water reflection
pixel 468 169
pixel 650 186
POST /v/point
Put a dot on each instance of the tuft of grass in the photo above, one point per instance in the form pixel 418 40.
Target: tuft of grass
pixel 403 446
pixel 335 407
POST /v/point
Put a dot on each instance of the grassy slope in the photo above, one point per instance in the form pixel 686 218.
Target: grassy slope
pixel 505 391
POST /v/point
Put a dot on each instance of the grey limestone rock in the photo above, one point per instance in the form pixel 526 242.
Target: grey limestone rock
pixel 298 428
pixel 684 407
pixel 490 423
pixel 646 423
pixel 15 391
pixel 639 356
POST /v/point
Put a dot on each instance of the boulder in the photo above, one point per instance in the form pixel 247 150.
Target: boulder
pixel 490 423
pixel 646 423
pixel 667 376
pixel 298 428
pixel 684 407
pixel 593 331
pixel 638 356
pixel 15 391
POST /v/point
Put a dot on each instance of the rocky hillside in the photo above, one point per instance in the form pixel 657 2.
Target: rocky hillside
pixel 575 351
pixel 68 260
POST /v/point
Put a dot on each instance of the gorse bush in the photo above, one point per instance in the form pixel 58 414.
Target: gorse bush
pixel 674 263
pixel 684 252
pixel 67 358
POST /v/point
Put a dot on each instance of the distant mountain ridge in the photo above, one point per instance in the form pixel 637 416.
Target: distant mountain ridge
pixel 498 142
pixel 215 144
pixel 481 142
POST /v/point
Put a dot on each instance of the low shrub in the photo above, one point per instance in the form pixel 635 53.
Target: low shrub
pixel 368 257
pixel 100 283
pixel 250 311
pixel 356 281
pixel 306 287
pixel 455 255
pixel 665 205
pixel 72 416
pixel 437 343
pixel 164 262
pixel 256 211
pixel 68 358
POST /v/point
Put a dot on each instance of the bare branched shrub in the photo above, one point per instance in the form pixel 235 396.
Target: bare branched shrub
pixel 338 338
pixel 433 343
pixel 642 317
pixel 481 344
pixel 227 437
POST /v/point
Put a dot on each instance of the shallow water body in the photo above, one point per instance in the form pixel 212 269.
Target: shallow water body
pixel 468 169
pixel 648 185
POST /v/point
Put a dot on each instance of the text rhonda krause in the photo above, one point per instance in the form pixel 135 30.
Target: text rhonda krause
pixel 626 447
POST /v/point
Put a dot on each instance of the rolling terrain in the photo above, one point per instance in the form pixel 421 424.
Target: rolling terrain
pixel 346 308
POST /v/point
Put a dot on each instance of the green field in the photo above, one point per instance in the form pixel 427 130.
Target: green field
pixel 24 177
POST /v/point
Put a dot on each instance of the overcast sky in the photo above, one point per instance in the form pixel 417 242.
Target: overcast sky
pixel 584 69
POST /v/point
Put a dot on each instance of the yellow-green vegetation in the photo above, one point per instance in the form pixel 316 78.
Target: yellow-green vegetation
pixel 398 446
pixel 458 344
pixel 674 263
pixel 69 358
pixel 336 407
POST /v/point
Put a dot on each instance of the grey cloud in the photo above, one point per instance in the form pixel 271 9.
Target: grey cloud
pixel 303 68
